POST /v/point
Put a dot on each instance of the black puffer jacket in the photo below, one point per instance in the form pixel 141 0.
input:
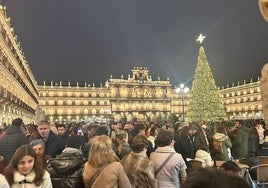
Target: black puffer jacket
pixel 11 141
pixel 66 169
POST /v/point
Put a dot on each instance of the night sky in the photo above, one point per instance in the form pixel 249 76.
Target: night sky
pixel 89 40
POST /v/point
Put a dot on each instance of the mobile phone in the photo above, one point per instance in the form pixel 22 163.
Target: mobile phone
pixel 79 131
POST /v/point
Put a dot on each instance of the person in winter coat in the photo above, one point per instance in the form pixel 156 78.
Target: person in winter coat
pixel 12 140
pixel 53 143
pixel 173 172
pixel 240 141
pixel 121 146
pixel 139 169
pixel 66 169
pixel 204 157
pixel 140 129
pixel 39 148
pixel 23 170
pixel 221 136
pixel 231 167
pixel 185 145
pixel 213 178
pixel 199 138
pixel 3 182
pixel 253 142
pixel 63 132
pixel 103 168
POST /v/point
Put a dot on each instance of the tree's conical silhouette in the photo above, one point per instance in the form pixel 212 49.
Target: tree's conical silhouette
pixel 205 103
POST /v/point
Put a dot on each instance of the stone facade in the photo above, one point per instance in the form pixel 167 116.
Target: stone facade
pixel 138 97
pixel 18 88
pixel 264 88
pixel 243 101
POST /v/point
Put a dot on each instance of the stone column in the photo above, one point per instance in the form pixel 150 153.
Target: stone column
pixel 264 89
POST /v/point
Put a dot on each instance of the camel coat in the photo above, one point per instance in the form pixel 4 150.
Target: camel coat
pixel 112 176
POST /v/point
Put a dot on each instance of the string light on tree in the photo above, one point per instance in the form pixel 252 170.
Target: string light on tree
pixel 205 103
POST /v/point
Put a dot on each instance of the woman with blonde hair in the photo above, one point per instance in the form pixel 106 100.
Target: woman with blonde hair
pixel 103 168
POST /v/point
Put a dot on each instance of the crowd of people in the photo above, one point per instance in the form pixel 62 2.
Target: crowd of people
pixel 127 154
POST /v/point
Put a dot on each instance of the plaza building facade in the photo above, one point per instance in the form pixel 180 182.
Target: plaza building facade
pixel 74 103
pixel 136 97
pixel 18 88
pixel 243 101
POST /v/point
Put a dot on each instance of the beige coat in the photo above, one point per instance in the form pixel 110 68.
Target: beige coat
pixel 112 176
pixel 173 172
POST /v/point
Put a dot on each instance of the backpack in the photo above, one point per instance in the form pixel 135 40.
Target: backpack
pixel 217 146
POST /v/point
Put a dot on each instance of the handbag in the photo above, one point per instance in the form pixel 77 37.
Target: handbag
pixel 164 163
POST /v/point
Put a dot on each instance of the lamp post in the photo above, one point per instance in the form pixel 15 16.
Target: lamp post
pixel 182 90
pixel 106 110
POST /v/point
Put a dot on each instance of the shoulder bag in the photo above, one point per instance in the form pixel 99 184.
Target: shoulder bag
pixel 164 163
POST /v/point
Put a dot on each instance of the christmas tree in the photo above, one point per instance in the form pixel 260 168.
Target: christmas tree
pixel 205 103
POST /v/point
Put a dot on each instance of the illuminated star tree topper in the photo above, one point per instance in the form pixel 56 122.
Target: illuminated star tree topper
pixel 200 38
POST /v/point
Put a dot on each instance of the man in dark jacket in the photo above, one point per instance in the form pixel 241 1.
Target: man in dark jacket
pixel 12 140
pixel 66 169
pixel 200 140
pixel 53 143
pixel 239 140
pixel 62 132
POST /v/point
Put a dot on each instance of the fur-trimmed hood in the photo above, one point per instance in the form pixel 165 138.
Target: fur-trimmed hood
pixel 201 155
pixel 220 137
pixel 204 157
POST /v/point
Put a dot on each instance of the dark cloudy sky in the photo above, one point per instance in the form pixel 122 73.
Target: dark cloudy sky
pixel 88 40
